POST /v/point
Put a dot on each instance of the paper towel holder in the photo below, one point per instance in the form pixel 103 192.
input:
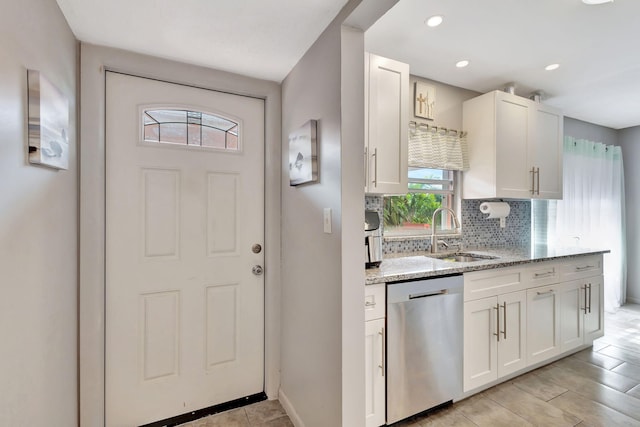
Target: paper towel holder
pixel 498 210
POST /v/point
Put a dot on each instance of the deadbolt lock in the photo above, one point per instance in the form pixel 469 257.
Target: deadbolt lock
pixel 256 248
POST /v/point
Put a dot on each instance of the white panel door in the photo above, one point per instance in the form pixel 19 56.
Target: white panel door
pixel 184 311
pixel 375 390
pixel 480 342
pixel 572 307
pixel 512 355
pixel 543 323
pixel 594 316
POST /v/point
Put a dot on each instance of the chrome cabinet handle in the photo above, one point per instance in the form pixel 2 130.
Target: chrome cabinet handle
pixel 589 297
pixel 366 166
pixel 533 180
pixel 384 350
pixel 585 298
pixel 545 274
pixel 497 309
pixel 375 167
pixel 504 319
pixel 538 182
pixel 369 304
pixel 550 291
pixel 584 267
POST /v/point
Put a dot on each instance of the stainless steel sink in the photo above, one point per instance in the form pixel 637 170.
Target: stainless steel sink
pixel 462 257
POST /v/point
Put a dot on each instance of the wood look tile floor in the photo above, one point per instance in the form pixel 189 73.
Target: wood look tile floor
pixel 599 386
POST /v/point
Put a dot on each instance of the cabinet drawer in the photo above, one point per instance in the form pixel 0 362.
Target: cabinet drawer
pixel 579 268
pixel 543 273
pixel 488 283
pixel 374 301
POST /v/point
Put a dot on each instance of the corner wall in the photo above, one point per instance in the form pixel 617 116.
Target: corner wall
pixel 38 228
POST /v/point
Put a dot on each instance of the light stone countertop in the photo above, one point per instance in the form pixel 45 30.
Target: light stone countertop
pixel 418 265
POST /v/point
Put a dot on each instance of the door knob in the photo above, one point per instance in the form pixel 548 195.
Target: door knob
pixel 257 270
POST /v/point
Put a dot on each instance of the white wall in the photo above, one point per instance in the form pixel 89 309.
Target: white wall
pixel 629 140
pixel 38 228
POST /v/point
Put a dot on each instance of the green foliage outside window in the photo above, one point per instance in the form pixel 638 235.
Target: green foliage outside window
pixel 415 208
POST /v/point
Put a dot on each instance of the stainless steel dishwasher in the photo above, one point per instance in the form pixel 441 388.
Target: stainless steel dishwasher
pixel 424 345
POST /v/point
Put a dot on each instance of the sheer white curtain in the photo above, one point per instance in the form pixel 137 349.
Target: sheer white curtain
pixel 591 212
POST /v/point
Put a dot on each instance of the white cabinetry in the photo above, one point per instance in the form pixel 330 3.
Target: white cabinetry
pixel 375 355
pixel 387 125
pixel 515 148
pixel 543 323
pixel 494 326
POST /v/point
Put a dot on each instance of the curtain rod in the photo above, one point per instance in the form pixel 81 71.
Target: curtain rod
pixel 436 128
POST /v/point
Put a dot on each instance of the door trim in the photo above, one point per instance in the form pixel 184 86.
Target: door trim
pixel 94 61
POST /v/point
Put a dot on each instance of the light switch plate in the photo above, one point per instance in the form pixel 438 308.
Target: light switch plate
pixel 327 220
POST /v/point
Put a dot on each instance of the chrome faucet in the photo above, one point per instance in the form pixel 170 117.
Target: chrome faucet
pixel 434 237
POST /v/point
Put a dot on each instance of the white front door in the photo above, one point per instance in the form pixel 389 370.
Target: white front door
pixel 184 310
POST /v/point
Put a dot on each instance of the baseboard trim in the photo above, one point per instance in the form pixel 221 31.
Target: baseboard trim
pixel 633 300
pixel 289 409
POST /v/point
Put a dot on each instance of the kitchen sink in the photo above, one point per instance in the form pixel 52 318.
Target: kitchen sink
pixel 462 257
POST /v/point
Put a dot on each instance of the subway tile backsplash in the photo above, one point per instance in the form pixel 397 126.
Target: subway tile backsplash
pixel 477 231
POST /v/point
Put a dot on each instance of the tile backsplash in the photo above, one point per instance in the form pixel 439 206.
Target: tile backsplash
pixel 477 231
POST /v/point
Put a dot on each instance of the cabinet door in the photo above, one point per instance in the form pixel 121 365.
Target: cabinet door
pixel 374 372
pixel 387 132
pixel 543 324
pixel 513 128
pixel 594 316
pixel 572 303
pixel 480 343
pixel 546 151
pixel 512 315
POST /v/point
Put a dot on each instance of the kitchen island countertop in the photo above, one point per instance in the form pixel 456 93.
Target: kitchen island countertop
pixel 418 265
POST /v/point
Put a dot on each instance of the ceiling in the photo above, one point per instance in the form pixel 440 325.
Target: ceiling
pixel 598 80
pixel 505 41
pixel 256 38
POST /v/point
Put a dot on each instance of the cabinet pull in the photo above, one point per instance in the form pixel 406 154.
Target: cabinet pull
pixel 366 166
pixel 585 267
pixel 375 167
pixel 504 319
pixel 533 180
pixel 497 309
pixel 384 350
pixel 549 292
pixel 585 299
pixel 545 274
pixel 589 298
pixel 538 181
pixel 369 304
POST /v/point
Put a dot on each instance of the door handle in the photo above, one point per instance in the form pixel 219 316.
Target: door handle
pixel 585 299
pixel 384 350
pixel 428 294
pixel 549 292
pixel 375 167
pixel 533 180
pixel 538 181
pixel 589 297
pixel 257 270
pixel 497 309
pixel 504 319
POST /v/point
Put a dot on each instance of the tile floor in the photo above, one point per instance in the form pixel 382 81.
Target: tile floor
pixel 268 413
pixel 596 387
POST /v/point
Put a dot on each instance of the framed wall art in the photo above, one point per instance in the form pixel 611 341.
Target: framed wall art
pixel 48 123
pixel 425 101
pixel 303 157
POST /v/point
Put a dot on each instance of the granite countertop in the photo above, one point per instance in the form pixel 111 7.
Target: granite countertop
pixel 417 265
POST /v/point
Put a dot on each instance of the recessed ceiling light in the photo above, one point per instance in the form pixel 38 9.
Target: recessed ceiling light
pixel 551 67
pixel 462 64
pixel 435 20
pixel 592 2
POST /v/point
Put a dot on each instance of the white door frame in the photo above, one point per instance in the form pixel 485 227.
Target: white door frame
pixel 94 60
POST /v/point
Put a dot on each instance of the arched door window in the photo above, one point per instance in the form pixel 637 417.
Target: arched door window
pixel 192 128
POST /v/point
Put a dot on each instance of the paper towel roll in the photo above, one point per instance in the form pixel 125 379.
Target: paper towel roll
pixel 495 209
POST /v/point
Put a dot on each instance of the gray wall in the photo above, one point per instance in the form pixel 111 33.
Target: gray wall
pixel 311 350
pixel 38 228
pixel 585 130
pixel 629 140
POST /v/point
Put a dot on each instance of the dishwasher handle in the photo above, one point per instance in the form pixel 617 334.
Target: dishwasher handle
pixel 429 294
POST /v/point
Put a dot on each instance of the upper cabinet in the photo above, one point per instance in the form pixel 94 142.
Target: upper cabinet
pixel 515 148
pixel 386 125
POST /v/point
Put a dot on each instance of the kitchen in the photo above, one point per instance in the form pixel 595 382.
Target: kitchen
pixel 327 295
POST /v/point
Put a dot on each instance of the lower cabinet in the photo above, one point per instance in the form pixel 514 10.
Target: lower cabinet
pixel 543 323
pixel 374 350
pixel 581 312
pixel 494 344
